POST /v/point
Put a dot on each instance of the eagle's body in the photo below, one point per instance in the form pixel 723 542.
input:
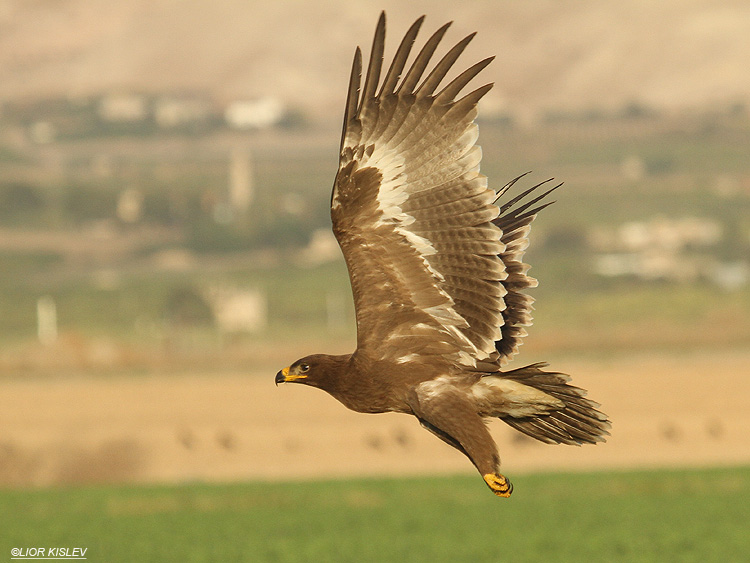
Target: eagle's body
pixel 436 268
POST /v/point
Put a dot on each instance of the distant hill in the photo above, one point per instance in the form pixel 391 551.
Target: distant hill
pixel 550 54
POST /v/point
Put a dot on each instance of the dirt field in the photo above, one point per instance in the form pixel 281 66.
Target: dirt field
pixel 666 411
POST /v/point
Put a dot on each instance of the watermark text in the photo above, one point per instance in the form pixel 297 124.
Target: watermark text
pixel 48 553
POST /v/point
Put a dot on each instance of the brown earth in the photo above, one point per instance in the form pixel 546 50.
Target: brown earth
pixel 690 410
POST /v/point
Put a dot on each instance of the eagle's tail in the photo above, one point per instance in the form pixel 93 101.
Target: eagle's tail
pixel 579 422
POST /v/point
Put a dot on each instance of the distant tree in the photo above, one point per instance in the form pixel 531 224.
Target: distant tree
pixel 186 307
pixel 637 110
pixel 293 118
pixel 84 203
pixel 658 165
pixel 18 201
pixel 566 237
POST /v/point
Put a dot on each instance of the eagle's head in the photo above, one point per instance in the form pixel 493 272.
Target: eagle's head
pixel 318 370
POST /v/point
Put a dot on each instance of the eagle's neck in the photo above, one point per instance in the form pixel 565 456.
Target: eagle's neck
pixel 357 386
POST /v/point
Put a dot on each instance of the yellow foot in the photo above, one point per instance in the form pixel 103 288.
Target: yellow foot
pixel 499 484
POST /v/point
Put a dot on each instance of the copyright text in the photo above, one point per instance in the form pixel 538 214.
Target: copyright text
pixel 48 552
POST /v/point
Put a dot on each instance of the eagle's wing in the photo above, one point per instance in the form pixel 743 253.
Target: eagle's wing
pixel 414 217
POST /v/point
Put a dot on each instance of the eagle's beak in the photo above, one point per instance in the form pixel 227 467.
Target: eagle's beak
pixel 281 376
pixel 285 377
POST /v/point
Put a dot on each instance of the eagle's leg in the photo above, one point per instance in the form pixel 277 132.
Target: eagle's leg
pixel 452 418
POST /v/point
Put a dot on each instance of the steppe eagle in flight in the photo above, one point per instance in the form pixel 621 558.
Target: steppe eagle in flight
pixel 436 270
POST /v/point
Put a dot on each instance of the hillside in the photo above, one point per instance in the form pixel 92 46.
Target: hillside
pixel 572 55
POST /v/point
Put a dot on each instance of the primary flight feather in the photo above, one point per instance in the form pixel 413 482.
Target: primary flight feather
pixel 436 266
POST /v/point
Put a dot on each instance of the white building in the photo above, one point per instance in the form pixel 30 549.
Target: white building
pixel 238 309
pixel 254 114
pixel 123 107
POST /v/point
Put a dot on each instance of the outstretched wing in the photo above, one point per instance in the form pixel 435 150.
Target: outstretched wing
pixel 413 215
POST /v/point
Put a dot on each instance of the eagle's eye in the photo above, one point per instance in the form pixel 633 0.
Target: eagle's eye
pixel 304 368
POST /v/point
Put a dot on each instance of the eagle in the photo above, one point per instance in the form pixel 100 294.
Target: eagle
pixel 435 261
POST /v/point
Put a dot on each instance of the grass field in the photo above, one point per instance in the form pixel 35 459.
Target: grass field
pixel 661 515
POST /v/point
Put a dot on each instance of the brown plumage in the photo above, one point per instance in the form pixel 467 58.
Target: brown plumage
pixel 436 268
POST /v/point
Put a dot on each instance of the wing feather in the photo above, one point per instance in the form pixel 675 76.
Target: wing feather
pixel 376 63
pixel 399 59
pixel 352 97
pixel 515 221
pixel 427 88
pixel 423 59
pixel 458 83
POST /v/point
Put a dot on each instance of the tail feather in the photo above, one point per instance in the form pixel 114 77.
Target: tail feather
pixel 580 422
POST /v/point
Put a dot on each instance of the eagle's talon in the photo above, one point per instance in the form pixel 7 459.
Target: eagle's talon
pixel 499 484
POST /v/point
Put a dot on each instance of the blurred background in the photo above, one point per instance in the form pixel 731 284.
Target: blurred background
pixel 165 244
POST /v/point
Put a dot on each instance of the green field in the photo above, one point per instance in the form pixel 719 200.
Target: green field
pixel 660 515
